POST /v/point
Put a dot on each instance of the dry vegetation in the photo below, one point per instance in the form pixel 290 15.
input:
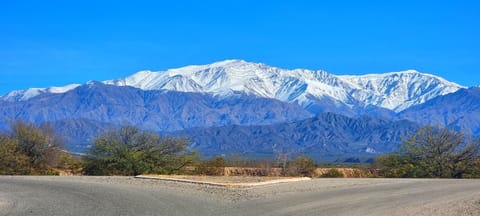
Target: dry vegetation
pixel 33 150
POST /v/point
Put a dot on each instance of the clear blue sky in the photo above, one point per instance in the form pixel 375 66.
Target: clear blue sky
pixel 45 43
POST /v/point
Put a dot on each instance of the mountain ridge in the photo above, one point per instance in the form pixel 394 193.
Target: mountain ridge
pixel 156 110
pixel 327 137
pixel 394 91
pixel 459 111
pixel 89 109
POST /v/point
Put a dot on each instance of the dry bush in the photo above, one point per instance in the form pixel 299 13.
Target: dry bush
pixel 214 167
pixel 333 173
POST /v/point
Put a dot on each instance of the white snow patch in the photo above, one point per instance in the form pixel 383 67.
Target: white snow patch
pixel 394 90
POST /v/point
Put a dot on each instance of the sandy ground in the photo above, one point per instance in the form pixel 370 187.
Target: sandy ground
pixel 130 196
pixel 223 179
pixel 226 181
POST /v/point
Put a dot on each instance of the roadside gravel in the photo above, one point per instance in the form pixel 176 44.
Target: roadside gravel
pixel 30 195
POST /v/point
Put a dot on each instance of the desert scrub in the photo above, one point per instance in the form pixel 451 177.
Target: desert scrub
pixel 333 173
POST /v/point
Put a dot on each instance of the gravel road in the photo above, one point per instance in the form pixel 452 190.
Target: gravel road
pixel 128 196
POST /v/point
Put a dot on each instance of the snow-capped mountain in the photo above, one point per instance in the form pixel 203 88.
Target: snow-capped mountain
pixel 394 91
pixel 399 90
pixel 22 95
pixel 314 111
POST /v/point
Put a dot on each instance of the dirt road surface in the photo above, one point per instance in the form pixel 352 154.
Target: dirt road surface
pixel 128 196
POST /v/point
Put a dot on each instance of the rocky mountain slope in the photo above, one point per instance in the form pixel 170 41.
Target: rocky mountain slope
pixel 327 137
pixel 152 110
pixel 459 110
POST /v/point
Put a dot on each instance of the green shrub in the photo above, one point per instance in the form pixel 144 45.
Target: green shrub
pixel 12 160
pixel 433 153
pixel 128 151
pixel 29 150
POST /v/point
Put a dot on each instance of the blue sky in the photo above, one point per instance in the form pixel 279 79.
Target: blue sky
pixel 45 43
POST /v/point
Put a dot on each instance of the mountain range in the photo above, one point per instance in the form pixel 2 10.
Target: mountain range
pixel 236 106
pixel 393 91
pixel 459 110
pixel 326 137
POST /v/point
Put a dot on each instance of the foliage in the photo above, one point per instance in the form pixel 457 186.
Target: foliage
pixel 12 161
pixel 433 153
pixel 129 151
pixel 40 144
pixel 214 166
pixel 301 166
pixel 333 173
pixel 70 164
pixel 29 149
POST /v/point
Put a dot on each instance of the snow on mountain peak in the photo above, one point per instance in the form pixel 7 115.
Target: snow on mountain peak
pixel 400 90
pixel 22 95
pixel 228 63
pixel 395 90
